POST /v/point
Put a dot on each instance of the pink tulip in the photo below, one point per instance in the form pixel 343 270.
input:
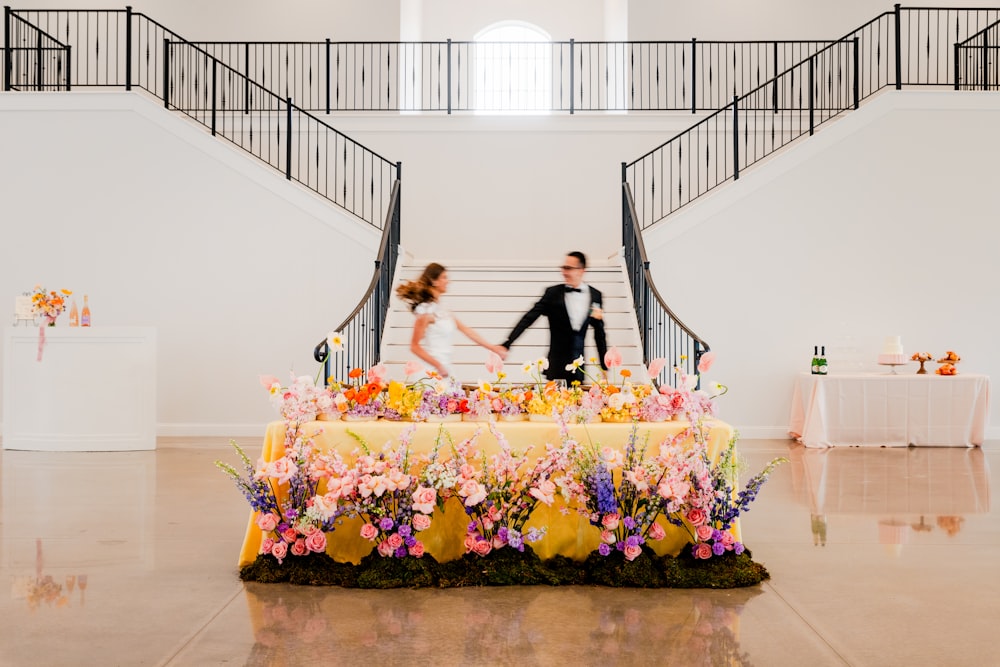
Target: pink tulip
pixel 613 358
pixel 655 366
pixel 706 361
pixel 267 381
pixel 377 373
pixel 412 368
pixel 494 364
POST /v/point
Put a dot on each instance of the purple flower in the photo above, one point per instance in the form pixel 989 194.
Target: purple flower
pixel 514 540
pixel 400 552
pixel 409 540
pixel 716 534
pixel 738 548
pixel 633 541
pixel 503 533
pixel 718 548
pixel 620 546
pixel 472 524
pixel 629 522
pixel 386 524
pixel 604 549
pixel 404 530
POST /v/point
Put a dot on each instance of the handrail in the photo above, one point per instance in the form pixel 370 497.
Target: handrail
pixel 977 66
pixel 122 48
pixel 569 75
pixel 663 334
pixel 365 325
pixel 42 65
pixel 894 48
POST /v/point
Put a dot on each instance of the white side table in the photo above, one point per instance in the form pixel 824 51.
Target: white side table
pixel 94 390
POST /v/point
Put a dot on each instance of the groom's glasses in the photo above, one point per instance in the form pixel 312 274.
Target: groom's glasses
pixel 566 267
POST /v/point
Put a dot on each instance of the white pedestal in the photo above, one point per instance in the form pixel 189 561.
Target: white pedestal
pixel 94 390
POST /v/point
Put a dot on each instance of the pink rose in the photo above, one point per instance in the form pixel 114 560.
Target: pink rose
pixel 423 499
pixel 266 545
pixel 267 522
pixel 677 400
pixel 299 548
pixel 290 535
pixel 282 470
pixel 498 542
pixel 368 531
pixel 316 542
pixel 632 552
pixel 417 550
pixel 483 547
pixel 308 529
pixel 395 541
pixel 656 532
pixel 610 521
pixel 470 543
pixel 421 522
pixel 607 537
pixel 704 531
pixel 473 491
pixel 696 517
pixel 703 551
pixel 384 549
pixel 279 550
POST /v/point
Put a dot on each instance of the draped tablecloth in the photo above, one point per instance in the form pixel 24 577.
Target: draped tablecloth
pixel 890 410
pixel 569 533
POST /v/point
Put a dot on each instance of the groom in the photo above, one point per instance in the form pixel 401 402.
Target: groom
pixel 570 308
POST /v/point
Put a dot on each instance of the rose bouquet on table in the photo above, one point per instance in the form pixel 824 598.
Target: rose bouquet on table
pixel 442 399
pixel 292 516
pixel 301 400
pixel 500 492
pixel 382 489
pixel 49 304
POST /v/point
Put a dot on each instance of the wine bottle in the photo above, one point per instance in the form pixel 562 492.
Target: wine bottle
pixel 85 315
pixel 822 360
pixel 815 361
pixel 74 315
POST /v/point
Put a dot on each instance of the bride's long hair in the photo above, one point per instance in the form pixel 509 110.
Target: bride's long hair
pixel 416 292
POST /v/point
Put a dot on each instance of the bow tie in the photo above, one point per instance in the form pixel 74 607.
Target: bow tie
pixel 573 289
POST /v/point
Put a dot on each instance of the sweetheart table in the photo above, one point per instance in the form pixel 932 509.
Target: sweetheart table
pixel 569 533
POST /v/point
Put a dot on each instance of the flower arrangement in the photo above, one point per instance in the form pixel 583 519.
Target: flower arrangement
pixel 301 400
pixel 623 493
pixel 49 304
pixel 382 490
pixel 713 503
pixel 500 492
pixel 293 518
pixel 443 400
pixel 361 395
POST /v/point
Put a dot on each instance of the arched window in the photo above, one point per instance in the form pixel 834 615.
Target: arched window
pixel 513 69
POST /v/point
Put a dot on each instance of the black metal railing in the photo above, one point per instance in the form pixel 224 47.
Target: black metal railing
pixel 910 47
pixel 662 332
pixel 362 330
pixel 123 48
pixel 565 76
pixel 977 60
pixel 33 59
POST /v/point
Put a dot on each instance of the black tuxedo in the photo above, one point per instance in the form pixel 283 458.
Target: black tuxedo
pixel 565 343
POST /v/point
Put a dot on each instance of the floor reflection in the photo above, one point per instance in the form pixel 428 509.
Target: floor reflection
pixel 41 589
pixel 910 493
pixel 519 625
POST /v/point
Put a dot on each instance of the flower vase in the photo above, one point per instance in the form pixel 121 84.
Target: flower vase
pixel 328 417
pixel 520 417
pixel 437 419
pixel 469 417
pixel 922 370
pixel 358 418
pixel 541 418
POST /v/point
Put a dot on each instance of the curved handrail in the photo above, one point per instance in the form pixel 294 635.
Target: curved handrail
pixel 364 325
pixel 663 334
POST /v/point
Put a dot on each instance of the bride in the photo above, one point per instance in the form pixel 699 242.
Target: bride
pixel 435 326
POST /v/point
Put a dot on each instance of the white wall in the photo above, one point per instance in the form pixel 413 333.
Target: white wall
pixel 109 195
pixel 882 224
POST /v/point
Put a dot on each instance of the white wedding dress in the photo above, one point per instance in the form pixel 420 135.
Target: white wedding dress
pixel 439 333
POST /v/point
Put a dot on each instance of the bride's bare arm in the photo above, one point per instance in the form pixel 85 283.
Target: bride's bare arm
pixel 419 327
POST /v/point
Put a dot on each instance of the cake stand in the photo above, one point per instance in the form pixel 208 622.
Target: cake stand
pixel 892 366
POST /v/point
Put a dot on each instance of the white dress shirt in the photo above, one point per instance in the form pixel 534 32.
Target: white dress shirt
pixel 578 306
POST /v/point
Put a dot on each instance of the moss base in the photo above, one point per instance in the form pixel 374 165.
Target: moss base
pixel 506 567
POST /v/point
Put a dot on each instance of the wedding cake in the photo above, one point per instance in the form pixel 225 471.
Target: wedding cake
pixel 892 351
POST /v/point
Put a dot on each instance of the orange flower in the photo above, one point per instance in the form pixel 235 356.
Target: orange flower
pixel 355 373
pixel 625 373
pixel 363 396
pixel 350 393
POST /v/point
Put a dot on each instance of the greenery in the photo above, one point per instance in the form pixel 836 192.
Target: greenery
pixel 509 567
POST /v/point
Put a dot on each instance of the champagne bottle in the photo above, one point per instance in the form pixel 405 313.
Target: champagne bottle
pixel 815 361
pixel 822 360
pixel 85 315
pixel 74 315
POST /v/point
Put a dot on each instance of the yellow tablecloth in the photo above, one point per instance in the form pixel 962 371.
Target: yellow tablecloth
pixel 569 533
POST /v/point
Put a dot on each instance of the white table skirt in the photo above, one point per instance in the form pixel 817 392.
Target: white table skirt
pixel 890 410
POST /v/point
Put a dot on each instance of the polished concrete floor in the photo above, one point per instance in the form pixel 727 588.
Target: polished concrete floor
pixel 877 557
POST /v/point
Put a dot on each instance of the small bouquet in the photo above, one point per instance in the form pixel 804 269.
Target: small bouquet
pixel 361 396
pixel 301 401
pixel 49 305
pixel 443 400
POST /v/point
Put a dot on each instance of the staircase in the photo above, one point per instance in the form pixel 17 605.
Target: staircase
pixel 492 298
